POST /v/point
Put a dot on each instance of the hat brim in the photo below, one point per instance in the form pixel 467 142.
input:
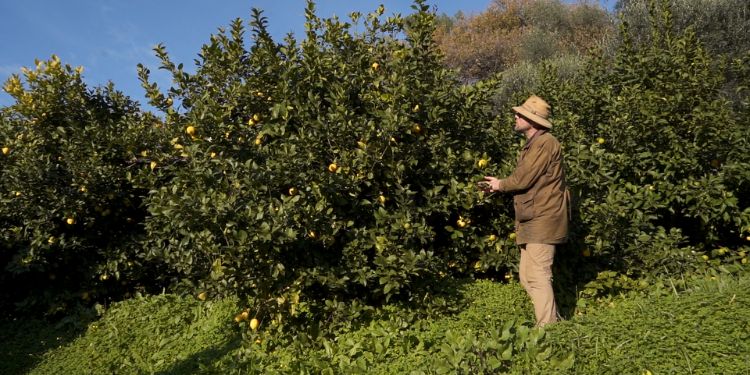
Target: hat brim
pixel 537 119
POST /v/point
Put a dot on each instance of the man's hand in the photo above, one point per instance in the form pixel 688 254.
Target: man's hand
pixel 489 184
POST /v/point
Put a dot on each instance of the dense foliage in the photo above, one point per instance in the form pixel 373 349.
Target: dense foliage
pixel 322 177
pixel 68 214
pixel 510 32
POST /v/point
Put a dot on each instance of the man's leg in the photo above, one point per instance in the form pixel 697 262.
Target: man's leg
pixel 535 273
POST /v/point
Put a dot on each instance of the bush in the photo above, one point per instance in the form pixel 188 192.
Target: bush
pixel 342 166
pixel 69 217
pixel 654 153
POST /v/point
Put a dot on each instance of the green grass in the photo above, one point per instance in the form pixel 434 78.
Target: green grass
pixel 704 329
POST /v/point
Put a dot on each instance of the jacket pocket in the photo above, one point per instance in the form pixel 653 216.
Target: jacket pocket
pixel 524 209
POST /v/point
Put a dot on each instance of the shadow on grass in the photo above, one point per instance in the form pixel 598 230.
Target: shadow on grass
pixel 571 274
pixel 23 342
pixel 204 361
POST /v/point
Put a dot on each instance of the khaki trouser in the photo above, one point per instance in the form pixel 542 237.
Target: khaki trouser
pixel 535 273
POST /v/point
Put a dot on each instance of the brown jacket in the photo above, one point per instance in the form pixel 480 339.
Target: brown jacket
pixel 540 194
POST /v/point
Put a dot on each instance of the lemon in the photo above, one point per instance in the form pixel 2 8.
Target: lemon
pixel 375 66
pixel 70 221
pixel 190 130
pixel 382 199
pixel 482 163
pixel 333 167
pixel 416 129
pixel 416 108
pixel 292 191
pixel 254 324
pixel 705 257
pixel 202 296
pixel 6 150
pixel 600 141
pixel 461 222
pixel 512 236
pixel 153 165
pixel 256 117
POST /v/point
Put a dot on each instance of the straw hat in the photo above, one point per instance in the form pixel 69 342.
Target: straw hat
pixel 535 109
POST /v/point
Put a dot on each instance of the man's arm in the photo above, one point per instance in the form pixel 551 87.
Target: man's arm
pixel 527 172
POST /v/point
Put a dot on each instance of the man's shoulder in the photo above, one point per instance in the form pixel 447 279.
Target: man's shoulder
pixel 546 139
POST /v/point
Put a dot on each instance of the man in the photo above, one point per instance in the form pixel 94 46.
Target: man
pixel 541 204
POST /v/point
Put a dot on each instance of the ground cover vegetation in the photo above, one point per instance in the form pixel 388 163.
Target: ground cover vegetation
pixel 310 204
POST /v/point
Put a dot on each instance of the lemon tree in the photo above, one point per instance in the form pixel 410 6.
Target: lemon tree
pixel 69 217
pixel 340 165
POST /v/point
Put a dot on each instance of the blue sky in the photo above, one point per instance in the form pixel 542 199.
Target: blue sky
pixel 110 37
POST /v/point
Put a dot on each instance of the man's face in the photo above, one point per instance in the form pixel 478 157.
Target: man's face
pixel 522 125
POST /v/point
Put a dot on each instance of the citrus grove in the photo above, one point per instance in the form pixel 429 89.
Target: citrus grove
pixel 317 176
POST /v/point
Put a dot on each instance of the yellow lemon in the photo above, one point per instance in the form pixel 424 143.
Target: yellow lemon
pixel 416 108
pixel 744 261
pixel 190 130
pixel 202 296
pixel 461 222
pixel 51 239
pixel 333 167
pixel 382 199
pixel 600 141
pixel 18 193
pixel 259 93
pixel 103 277
pixel 258 141
pixel 70 221
pixel 254 324
pixel 482 163
pixel 416 129
pixel 292 191
pixel 213 155
pixel 375 66
pixel 169 101
pixel 512 236
pixel 153 165
pixel 492 238
pixel 705 257
pixel 83 189
pixel 251 122
pixel 256 117
pixel 6 150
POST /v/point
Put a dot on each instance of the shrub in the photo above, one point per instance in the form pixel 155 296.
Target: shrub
pixel 342 166
pixel 69 217
pixel 653 150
